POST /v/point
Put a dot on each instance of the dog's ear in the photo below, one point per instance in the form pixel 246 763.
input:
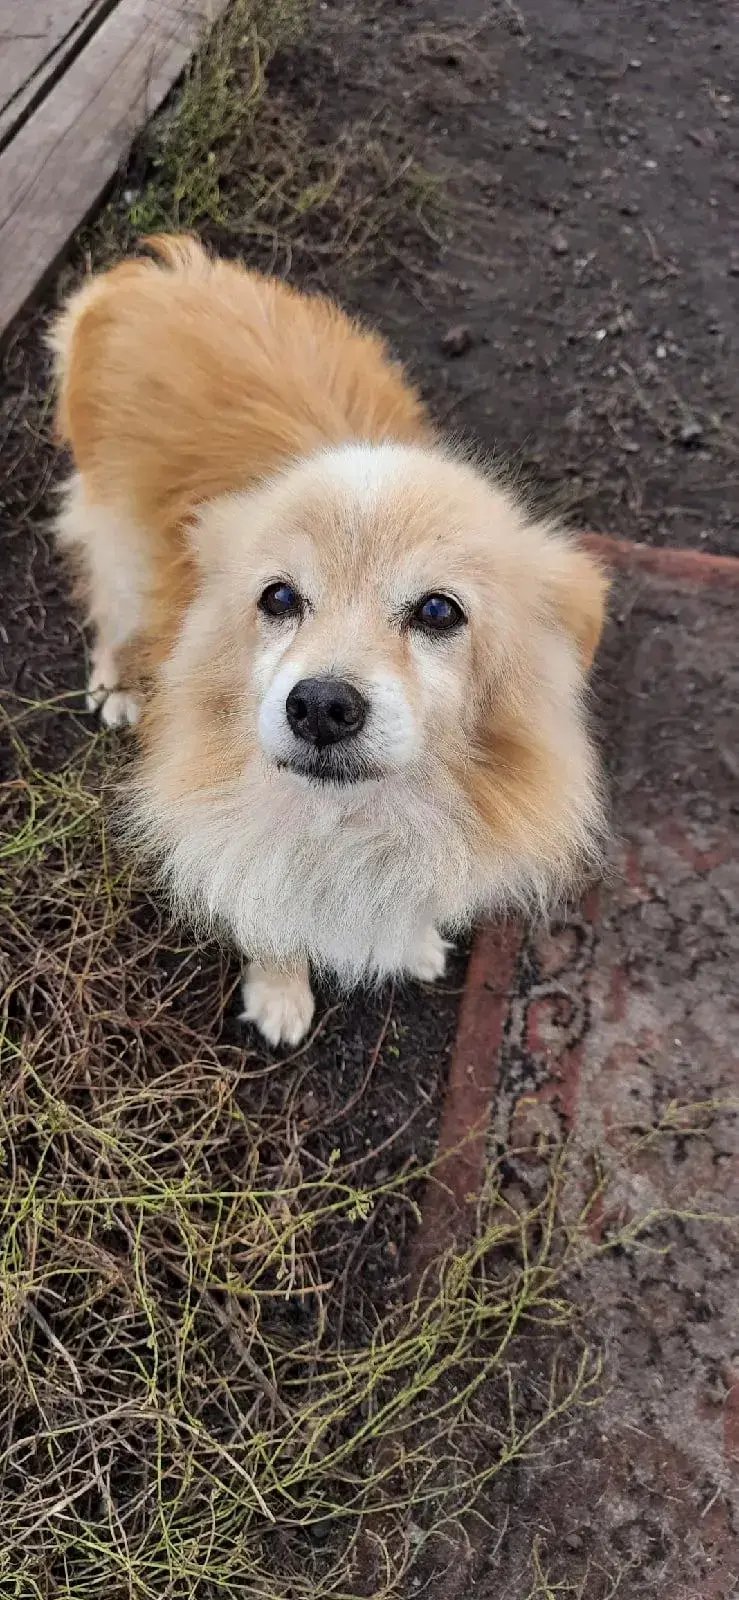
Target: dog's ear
pixel 577 589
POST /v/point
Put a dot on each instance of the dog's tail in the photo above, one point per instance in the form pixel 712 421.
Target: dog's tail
pixel 88 306
pixel 182 252
pixel 62 339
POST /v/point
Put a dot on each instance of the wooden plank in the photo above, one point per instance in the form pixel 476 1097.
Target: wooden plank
pixel 37 39
pixel 57 166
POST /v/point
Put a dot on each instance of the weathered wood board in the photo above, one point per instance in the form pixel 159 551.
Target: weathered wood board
pixel 37 40
pixel 65 152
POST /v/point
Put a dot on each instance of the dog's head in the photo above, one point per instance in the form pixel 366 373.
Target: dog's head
pixel 381 614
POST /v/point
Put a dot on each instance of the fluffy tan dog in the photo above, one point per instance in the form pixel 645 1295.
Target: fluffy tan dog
pixel 361 663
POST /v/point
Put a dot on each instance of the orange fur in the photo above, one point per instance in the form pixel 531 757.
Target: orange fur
pixel 228 431
pixel 210 378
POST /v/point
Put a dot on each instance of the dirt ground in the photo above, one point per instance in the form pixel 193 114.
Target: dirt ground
pixel 590 269
pixel 614 1016
pixel 571 304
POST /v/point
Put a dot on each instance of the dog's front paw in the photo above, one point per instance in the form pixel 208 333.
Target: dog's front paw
pixel 118 708
pixel 428 960
pixel 280 1004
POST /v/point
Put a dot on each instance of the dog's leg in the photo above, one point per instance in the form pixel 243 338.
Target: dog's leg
pixel 427 961
pixel 279 1003
pixel 111 554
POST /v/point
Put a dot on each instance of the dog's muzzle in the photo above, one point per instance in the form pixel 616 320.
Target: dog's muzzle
pixel 326 715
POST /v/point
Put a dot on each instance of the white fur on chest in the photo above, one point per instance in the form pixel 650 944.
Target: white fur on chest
pixel 347 878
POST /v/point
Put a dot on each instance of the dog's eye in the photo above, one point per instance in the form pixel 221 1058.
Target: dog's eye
pixel 280 600
pixel 438 614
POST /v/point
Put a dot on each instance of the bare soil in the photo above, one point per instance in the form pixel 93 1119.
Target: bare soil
pixel 618 1014
pixel 588 271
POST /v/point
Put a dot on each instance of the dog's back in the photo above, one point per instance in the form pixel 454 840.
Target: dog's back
pixel 181 379
pixel 184 381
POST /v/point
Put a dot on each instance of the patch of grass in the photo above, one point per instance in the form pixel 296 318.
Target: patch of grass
pixel 185 1409
pixel 212 123
pixel 254 166
pixel 180 1412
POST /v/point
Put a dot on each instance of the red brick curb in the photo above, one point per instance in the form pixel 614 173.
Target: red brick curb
pixel 465 1119
pixel 697 565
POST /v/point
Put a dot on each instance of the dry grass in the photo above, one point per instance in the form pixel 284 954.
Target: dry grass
pixel 190 1405
pixel 180 1412
pixel 251 164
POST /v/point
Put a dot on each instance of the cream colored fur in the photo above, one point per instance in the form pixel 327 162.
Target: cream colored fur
pixel 229 434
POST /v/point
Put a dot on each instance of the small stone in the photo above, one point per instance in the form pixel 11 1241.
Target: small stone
pixel 691 434
pixel 573 1541
pixel 559 243
pixel 457 340
pixel 538 124
pixel 319 1532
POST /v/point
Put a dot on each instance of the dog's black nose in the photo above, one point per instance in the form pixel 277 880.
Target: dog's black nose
pixel 324 710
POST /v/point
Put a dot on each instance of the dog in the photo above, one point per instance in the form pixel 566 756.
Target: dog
pixel 358 661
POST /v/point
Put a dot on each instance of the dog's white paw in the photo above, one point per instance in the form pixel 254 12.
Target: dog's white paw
pixel 280 1004
pixel 119 709
pixel 428 961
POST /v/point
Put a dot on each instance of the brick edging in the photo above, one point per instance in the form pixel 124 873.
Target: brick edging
pixel 699 566
pixel 467 1110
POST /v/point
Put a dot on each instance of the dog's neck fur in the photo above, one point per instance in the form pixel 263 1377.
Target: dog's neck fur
pixel 348 877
